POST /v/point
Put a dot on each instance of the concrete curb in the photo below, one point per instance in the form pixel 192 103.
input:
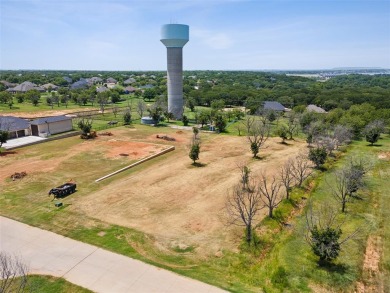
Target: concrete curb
pixel 171 148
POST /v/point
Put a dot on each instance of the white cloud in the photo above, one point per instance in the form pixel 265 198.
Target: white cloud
pixel 214 40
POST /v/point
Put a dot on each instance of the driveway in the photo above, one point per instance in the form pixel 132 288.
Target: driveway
pixel 89 266
pixel 16 142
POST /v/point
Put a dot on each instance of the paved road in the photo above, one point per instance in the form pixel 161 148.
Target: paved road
pixel 89 266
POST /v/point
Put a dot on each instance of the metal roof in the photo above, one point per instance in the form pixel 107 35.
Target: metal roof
pixel 50 119
pixel 276 106
pixel 10 123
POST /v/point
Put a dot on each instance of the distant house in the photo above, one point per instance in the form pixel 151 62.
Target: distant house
pixel 96 79
pixel 129 81
pixel 147 86
pixel 129 90
pixel 102 89
pixel 275 106
pixel 8 84
pixel 111 80
pixel 16 127
pixel 314 108
pixel 24 87
pixel 81 84
pixel 67 79
pixel 51 125
pixel 50 85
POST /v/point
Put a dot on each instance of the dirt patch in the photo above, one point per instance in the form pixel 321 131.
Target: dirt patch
pixel 129 149
pixel 109 147
pixel 384 156
pixel 175 201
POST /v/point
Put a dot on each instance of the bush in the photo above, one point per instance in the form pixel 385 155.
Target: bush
pixel 185 120
pixel 318 156
pixel 325 243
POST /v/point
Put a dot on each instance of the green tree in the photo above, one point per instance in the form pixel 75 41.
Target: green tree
pixel 34 96
pixel 318 156
pixel 3 137
pixel 127 117
pixel 282 132
pixel 194 152
pixel 220 122
pixel 149 94
pixel 325 243
pixel 185 120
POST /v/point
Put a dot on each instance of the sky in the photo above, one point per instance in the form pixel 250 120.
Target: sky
pixel 224 34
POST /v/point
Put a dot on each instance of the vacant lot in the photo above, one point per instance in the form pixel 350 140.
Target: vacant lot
pixel 181 204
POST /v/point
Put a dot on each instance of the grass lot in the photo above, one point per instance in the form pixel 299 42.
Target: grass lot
pixel 47 284
pixel 283 262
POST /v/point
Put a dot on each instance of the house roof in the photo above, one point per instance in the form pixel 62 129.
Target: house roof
pixel 102 89
pixel 276 106
pixel 68 79
pixel 10 123
pixel 26 86
pixel 82 83
pixel 314 108
pixel 50 119
pixel 47 85
pixel 111 80
pixel 130 89
pixel 96 79
pixel 8 84
pixel 129 81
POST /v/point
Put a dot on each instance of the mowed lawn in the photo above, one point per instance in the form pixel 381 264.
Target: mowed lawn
pixel 284 262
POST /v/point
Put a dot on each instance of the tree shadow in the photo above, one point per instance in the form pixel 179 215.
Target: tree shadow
pixel 198 165
pixel 333 268
pixel 285 143
pixel 6 153
pixel 375 145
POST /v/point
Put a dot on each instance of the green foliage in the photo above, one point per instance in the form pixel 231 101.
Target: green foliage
pixel 318 156
pixel 149 94
pixel 185 120
pixel 220 122
pixel 254 149
pixel 85 126
pixel 280 278
pixel 325 243
pixel 282 132
pixel 127 118
pixel 155 113
pixel 194 152
pixel 3 137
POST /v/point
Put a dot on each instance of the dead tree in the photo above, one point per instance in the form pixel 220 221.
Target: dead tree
pixel 301 168
pixel 340 188
pixel 286 176
pixel 242 206
pixel 269 193
pixel 13 274
pixel 292 124
pixel 141 108
pixel 257 134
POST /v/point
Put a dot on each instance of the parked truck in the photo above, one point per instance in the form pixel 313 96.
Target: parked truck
pixel 63 190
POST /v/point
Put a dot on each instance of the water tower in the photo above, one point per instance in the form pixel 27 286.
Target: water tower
pixel 174 37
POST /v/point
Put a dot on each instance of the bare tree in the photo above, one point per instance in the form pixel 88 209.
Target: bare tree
pixel 340 188
pixel 292 124
pixel 13 274
pixel 327 142
pixel 239 127
pixel 301 168
pixel 286 176
pixel 141 108
pixel 323 232
pixel 257 134
pixel 269 193
pixel 242 206
pixel 342 134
